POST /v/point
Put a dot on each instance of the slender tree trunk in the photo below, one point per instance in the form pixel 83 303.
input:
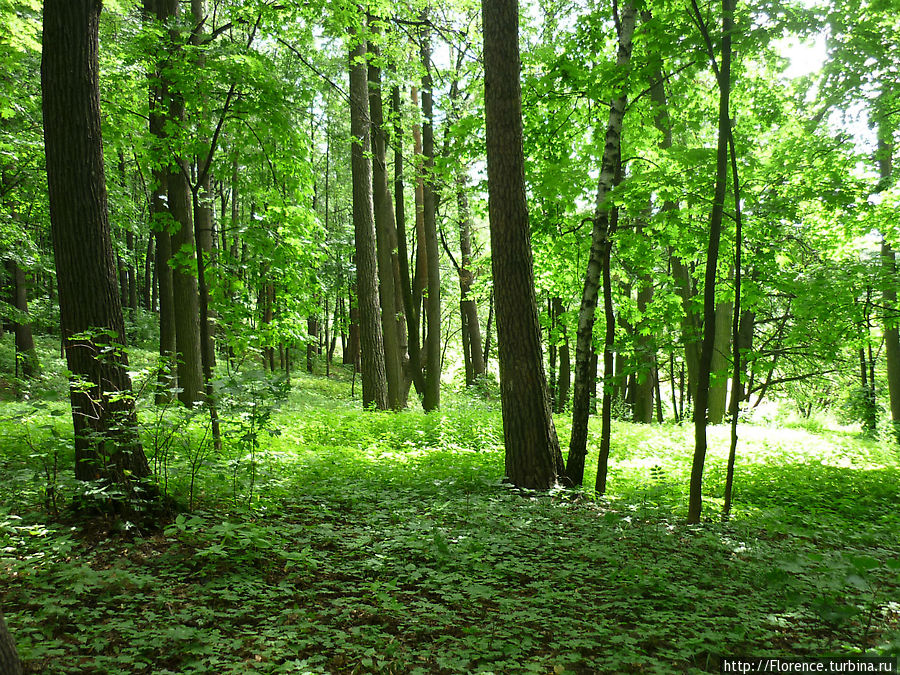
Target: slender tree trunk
pixel 735 332
pixel 533 457
pixel 467 306
pixel 159 215
pixel 600 238
pixel 414 365
pixel 719 366
pixel 374 380
pixel 701 401
pixel 107 445
pixel 26 355
pixel 645 353
pixel 385 237
pixel 565 361
pixel 184 284
pixel 432 398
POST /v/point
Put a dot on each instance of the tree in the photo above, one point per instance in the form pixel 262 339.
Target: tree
pixel 9 657
pixel 604 225
pixel 533 457
pixel 432 397
pixel 374 378
pixel 723 77
pixel 93 330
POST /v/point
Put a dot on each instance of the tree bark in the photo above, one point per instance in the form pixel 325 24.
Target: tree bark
pixel 600 240
pixel 385 237
pixel 884 156
pixel 9 657
pixel 695 499
pixel 414 365
pixel 160 222
pixel 26 355
pixel 432 398
pixel 374 379
pixel 533 458
pixel 93 330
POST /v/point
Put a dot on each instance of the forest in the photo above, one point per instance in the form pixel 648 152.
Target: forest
pixel 554 337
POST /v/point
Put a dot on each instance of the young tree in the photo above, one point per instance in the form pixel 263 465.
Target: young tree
pixel 598 264
pixel 93 330
pixel 723 76
pixel 533 457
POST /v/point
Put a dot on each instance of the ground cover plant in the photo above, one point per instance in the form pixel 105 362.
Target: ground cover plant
pixel 328 539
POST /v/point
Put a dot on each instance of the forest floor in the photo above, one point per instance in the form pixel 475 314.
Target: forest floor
pixel 325 539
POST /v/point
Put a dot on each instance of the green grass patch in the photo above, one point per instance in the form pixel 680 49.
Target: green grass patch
pixel 327 539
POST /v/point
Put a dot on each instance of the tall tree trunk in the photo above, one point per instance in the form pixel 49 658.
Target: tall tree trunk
pixel 884 156
pixel 184 284
pixel 107 445
pixel 467 306
pixel 600 239
pixel 374 379
pixel 533 457
pixel 701 402
pixel 385 236
pixel 159 216
pixel 432 398
pixel 414 365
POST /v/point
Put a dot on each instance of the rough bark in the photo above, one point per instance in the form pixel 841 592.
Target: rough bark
pixel 374 379
pixel 106 440
pixel 432 398
pixel 385 238
pixel 533 457
pixel 185 297
pixel 9 657
pixel 414 364
pixel 160 220
pixel 600 241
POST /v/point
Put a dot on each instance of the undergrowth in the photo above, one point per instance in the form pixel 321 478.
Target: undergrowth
pixel 327 539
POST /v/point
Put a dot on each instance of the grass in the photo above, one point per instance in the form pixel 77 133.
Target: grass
pixel 326 539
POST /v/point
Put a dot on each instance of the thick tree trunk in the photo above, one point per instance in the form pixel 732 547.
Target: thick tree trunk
pixel 432 398
pixel 701 401
pixel 9 657
pixel 374 379
pixel 385 239
pixel 106 440
pixel 533 457
pixel 600 240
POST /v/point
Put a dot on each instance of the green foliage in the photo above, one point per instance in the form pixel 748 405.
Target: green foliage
pixel 384 543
